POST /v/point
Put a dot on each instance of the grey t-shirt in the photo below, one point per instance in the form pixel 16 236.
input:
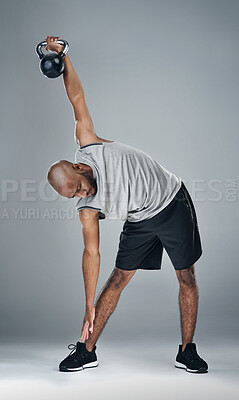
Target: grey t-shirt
pixel 130 184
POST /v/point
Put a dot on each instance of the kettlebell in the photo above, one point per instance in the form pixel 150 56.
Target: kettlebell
pixel 52 64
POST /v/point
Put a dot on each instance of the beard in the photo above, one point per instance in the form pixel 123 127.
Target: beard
pixel 91 180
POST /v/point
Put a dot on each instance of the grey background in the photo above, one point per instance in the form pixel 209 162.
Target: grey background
pixel 161 76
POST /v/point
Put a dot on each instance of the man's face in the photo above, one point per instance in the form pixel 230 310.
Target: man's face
pixel 72 180
pixel 82 186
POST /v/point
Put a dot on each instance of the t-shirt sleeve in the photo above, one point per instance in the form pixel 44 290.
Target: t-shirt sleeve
pixel 90 203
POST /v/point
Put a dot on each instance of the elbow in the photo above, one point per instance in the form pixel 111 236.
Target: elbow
pixel 94 253
pixel 77 96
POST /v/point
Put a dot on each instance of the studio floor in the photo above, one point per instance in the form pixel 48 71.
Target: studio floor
pixel 139 370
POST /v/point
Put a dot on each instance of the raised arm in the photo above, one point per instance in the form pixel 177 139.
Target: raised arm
pixel 84 128
pixel 90 265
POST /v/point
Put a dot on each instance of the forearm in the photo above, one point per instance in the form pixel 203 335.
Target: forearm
pixel 72 82
pixel 90 268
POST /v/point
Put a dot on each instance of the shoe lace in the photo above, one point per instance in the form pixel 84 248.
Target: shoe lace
pixel 73 347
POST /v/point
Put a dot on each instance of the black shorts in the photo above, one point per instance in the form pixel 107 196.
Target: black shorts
pixel 174 229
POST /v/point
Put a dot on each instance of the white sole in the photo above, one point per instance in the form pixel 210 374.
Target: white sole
pixel 88 365
pixel 180 365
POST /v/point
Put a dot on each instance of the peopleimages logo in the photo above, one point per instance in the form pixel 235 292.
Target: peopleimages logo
pixel 40 194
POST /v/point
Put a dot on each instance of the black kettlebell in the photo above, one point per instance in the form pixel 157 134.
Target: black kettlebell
pixel 52 64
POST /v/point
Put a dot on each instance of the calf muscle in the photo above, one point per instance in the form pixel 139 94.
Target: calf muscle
pixel 107 302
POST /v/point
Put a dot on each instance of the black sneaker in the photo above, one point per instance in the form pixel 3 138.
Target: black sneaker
pixel 190 360
pixel 79 358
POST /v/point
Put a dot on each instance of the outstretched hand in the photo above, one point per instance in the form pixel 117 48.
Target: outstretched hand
pixel 52 44
pixel 87 324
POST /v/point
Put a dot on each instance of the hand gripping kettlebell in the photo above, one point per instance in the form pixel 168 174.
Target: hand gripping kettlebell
pixel 52 64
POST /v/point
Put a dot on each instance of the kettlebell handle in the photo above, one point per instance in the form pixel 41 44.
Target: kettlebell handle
pixel 44 43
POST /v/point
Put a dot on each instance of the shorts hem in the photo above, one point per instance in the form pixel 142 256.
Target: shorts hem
pixel 145 268
pixel 190 264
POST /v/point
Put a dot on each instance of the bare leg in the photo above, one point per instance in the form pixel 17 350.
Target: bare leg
pixel 107 301
pixel 188 303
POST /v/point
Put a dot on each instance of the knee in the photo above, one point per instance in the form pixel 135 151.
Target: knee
pixel 186 278
pixel 119 279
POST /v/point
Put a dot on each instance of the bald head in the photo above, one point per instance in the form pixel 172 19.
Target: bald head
pixel 70 179
pixel 61 175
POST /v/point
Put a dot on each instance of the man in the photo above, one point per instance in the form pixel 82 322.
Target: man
pixel 116 181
